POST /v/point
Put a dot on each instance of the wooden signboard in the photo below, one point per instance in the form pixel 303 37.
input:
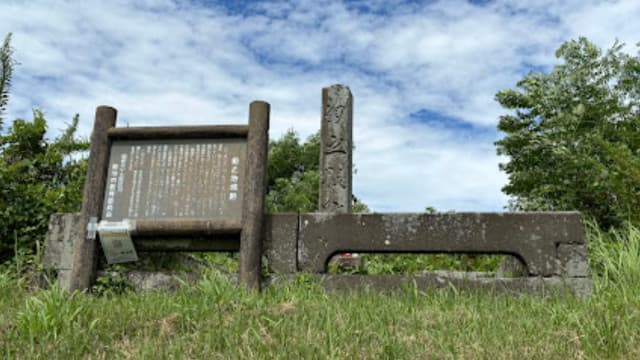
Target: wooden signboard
pixel 175 179
pixel 170 183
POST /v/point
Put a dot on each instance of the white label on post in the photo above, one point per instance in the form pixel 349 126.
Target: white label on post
pixel 92 227
pixel 115 237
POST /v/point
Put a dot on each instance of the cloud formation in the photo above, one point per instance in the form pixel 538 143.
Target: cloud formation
pixel 423 75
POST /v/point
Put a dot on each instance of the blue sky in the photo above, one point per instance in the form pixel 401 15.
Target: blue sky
pixel 423 74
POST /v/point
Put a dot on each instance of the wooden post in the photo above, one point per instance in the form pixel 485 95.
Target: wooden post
pixel 254 194
pixel 335 149
pixel 83 271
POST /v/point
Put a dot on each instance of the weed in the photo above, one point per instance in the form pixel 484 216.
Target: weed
pixel 46 315
pixel 113 281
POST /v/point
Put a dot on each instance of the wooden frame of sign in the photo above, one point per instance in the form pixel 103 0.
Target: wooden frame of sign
pixel 176 183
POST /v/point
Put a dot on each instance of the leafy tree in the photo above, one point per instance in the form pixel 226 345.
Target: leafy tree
pixel 294 176
pixel 38 177
pixel 573 138
pixel 6 69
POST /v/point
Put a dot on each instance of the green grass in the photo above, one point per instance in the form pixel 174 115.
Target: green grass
pixel 393 263
pixel 216 319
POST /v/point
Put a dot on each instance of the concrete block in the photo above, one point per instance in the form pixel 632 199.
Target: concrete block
pixel 58 247
pixel 280 242
pixel 574 260
pixel 531 236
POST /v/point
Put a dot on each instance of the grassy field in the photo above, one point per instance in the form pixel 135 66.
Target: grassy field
pixel 215 319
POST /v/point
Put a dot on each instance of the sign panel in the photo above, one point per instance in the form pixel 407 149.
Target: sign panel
pixel 115 238
pixel 175 179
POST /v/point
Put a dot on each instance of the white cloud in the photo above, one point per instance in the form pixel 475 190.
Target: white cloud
pixel 162 62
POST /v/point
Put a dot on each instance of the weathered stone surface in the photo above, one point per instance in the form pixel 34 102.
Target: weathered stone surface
pixel 58 249
pixel 532 236
pixel 280 246
pixel 335 148
pixel 294 243
pixel 142 280
pixel 574 260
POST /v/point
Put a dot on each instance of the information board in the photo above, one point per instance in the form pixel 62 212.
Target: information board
pixel 175 179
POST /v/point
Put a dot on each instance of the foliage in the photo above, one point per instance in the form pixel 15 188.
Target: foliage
pixel 573 140
pixel 113 281
pixel 293 174
pixel 358 206
pixel 6 70
pixel 39 177
pixel 417 263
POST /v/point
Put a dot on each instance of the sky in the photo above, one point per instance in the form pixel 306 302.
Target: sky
pixel 423 75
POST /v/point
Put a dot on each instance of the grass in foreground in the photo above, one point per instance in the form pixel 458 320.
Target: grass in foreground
pixel 218 320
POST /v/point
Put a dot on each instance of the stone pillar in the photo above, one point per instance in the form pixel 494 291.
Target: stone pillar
pixel 336 146
pixel 58 249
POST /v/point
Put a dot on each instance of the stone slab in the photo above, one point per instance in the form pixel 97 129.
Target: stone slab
pixel 574 260
pixel 280 242
pixel 58 249
pixel 532 236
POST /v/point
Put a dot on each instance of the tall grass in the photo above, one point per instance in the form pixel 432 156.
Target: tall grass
pixel 216 319
pixel 615 258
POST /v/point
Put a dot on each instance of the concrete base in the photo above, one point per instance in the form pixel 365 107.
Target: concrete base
pixel 543 286
pixel 465 281
pixel 566 269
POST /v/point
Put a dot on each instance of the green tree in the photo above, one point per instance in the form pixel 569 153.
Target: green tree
pixel 293 172
pixel 573 136
pixel 6 70
pixel 39 177
pixel 294 176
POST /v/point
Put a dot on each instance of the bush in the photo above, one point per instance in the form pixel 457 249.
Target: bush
pixel 38 177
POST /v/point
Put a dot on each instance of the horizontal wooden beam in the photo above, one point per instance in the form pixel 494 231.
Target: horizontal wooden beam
pixel 186 228
pixel 187 244
pixel 178 132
